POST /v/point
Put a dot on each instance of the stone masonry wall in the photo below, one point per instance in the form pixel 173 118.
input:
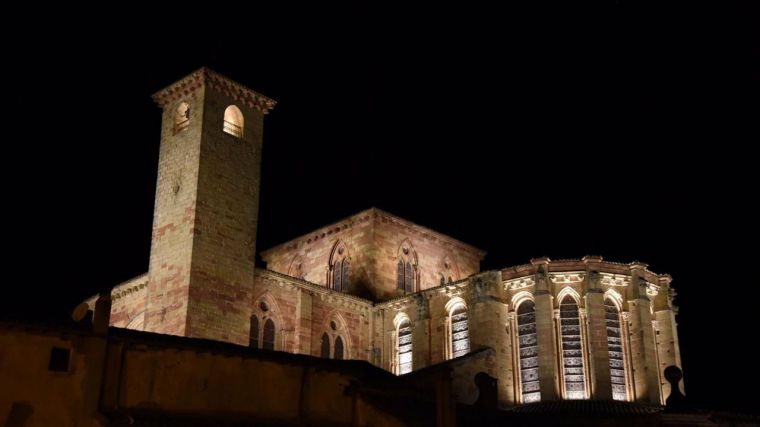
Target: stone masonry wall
pixel 374 239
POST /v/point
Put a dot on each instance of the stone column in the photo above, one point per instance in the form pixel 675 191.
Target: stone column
pixel 421 334
pixel 599 357
pixel 667 336
pixel 303 322
pixel 514 367
pixel 643 351
pixel 547 349
pixel 488 328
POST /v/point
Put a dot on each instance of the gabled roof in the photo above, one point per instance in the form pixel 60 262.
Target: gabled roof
pixel 375 214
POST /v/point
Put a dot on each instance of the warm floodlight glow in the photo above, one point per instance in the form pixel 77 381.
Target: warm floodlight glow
pixel 233 121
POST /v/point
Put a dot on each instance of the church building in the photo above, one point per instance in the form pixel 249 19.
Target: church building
pixel 372 287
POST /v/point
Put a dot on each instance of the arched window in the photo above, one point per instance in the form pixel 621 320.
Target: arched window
pixel 448 269
pixel 253 340
pixel 182 117
pixel 264 320
pixel 324 350
pixel 337 276
pixel 460 333
pixel 268 343
pixel 296 268
pixel 338 268
pixel 528 346
pixel 572 349
pixel 409 278
pixel 345 275
pixel 233 121
pixel 406 274
pixel 615 348
pixel 404 345
pixel 336 341
pixel 400 276
pixel 338 353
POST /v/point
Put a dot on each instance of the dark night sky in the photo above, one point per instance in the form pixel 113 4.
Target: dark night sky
pixel 619 130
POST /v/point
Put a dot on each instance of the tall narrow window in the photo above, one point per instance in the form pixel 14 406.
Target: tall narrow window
pixel 572 351
pixel 460 334
pixel 409 278
pixel 345 275
pixel 404 348
pixel 338 268
pixel 528 345
pixel 182 117
pixel 400 276
pixel 233 121
pixel 338 353
pixel 407 268
pixel 337 276
pixel 253 340
pixel 268 343
pixel 324 350
pixel 615 348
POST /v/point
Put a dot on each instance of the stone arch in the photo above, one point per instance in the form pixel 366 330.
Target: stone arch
pixel 296 268
pixel 233 121
pixel 567 291
pixel 449 269
pixel 338 270
pixel 341 330
pixel 400 317
pixel 521 297
pixel 265 307
pixel 181 117
pixel 616 298
pixel 453 302
pixel 137 322
pixel 406 252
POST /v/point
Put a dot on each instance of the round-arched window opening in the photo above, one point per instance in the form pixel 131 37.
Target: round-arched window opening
pixel 182 117
pixel 233 121
pixel 333 325
pixel 264 306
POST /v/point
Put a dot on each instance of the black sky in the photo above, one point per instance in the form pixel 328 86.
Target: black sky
pixel 622 130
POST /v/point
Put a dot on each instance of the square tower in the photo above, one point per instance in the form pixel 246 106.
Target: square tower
pixel 206 209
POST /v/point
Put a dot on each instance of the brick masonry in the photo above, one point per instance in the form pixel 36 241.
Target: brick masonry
pixel 202 282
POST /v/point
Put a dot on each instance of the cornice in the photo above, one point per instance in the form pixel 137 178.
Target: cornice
pixel 322 292
pixel 521 283
pixel 206 77
pixel 371 214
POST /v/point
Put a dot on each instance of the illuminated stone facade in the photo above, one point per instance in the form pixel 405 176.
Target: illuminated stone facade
pixel 568 329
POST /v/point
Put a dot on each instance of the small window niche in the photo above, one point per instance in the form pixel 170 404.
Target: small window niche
pixel 233 121
pixel 182 117
pixel 59 359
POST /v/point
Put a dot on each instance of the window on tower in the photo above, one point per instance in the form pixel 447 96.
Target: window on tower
pixel 182 117
pixel 233 121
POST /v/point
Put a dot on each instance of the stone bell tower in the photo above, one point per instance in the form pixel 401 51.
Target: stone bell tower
pixel 206 210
